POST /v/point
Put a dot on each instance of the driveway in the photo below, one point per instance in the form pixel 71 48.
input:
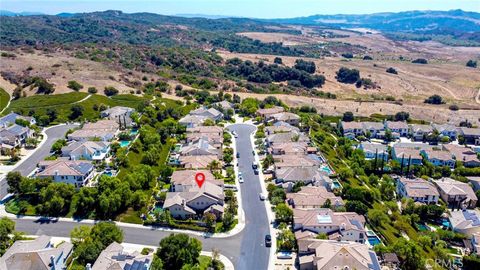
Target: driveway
pixel 25 167
pixel 246 249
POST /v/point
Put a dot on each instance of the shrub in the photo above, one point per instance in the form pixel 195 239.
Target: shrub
pixel 472 63
pixel 392 70
pixel 347 55
pixel 92 90
pixel 435 99
pixel 420 61
pixel 308 66
pixel 74 85
pixel 367 57
pixel 110 91
pixel 348 117
pixel 453 107
pixel 277 60
pixel 346 75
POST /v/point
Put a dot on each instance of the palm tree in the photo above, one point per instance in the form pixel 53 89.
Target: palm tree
pixel 214 166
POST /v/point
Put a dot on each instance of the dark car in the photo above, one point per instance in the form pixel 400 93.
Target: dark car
pixel 255 171
pixel 238 155
pixel 268 240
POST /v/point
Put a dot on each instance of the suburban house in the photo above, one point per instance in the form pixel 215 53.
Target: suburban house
pixel 446 130
pixel 12 117
pixel 75 172
pixel 475 241
pixel 15 135
pixel 212 134
pixel 36 254
pixel 280 127
pixel 439 158
pixel 374 129
pixel 104 130
pixel 327 255
pixel 183 180
pixel 341 226
pixel 88 150
pixel 285 161
pixel 286 137
pixel 456 194
pixel 374 150
pixel 197 162
pixel 417 189
pixel 292 148
pixel 406 155
pixel 286 117
pixel 475 181
pixel 420 132
pixel 224 105
pixel 115 258
pixel 352 129
pixel 470 135
pixel 190 121
pixel 211 113
pixel 465 221
pixel 267 113
pixel 195 201
pixel 199 148
pixel 307 175
pixel 399 127
pixel 120 114
pixel 313 197
pixel 463 154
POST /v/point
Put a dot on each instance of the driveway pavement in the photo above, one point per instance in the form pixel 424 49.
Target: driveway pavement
pixel 246 249
pixel 26 166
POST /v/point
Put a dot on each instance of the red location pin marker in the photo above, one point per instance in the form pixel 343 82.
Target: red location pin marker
pixel 200 179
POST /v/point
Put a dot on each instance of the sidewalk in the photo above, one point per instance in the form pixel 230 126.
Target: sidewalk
pixel 130 247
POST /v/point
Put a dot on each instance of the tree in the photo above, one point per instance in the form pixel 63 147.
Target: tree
pixel 14 180
pixel 308 66
pixel 178 250
pixel 283 213
pixel 286 240
pixel 357 207
pixel 402 116
pixel 348 117
pixel 76 111
pixel 409 253
pixel 74 85
pixel 472 63
pixel 277 60
pixel 346 75
pixel 110 91
pixel 7 227
pixel 89 242
pixel 209 220
pixel 347 55
pixel 57 146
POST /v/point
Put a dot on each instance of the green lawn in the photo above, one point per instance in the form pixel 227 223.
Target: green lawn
pixel 62 103
pixel 4 98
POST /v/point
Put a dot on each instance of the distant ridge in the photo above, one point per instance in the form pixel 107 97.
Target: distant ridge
pixel 23 13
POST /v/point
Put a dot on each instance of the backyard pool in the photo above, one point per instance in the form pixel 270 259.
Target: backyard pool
pixel 326 168
pixel 134 132
pixel 124 143
pixel 336 185
pixel 373 238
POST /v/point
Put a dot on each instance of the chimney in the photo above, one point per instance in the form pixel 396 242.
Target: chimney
pixel 88 266
pixel 52 262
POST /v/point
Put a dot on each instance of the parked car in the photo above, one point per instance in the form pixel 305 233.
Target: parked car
pixel 268 240
pixel 262 197
pixel 254 165
pixel 255 171
pixel 238 154
pixel 240 180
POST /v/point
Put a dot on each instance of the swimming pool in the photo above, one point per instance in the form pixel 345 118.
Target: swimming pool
pixel 373 240
pixel 326 168
pixel 124 143
pixel 134 132
pixel 336 185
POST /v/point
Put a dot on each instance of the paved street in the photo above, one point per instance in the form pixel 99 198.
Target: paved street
pixel 29 164
pixel 246 250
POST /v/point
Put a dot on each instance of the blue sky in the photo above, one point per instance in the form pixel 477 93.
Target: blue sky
pixel 245 8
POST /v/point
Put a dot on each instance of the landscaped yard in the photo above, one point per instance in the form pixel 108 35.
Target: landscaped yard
pixel 4 98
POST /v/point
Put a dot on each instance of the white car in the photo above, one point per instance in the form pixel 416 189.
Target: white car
pixel 235 134
pixel 240 179
pixel 262 197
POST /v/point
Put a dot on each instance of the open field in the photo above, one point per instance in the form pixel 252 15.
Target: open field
pixel 455 83
pixel 431 113
pixel 377 44
pixel 4 98
pixel 59 68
